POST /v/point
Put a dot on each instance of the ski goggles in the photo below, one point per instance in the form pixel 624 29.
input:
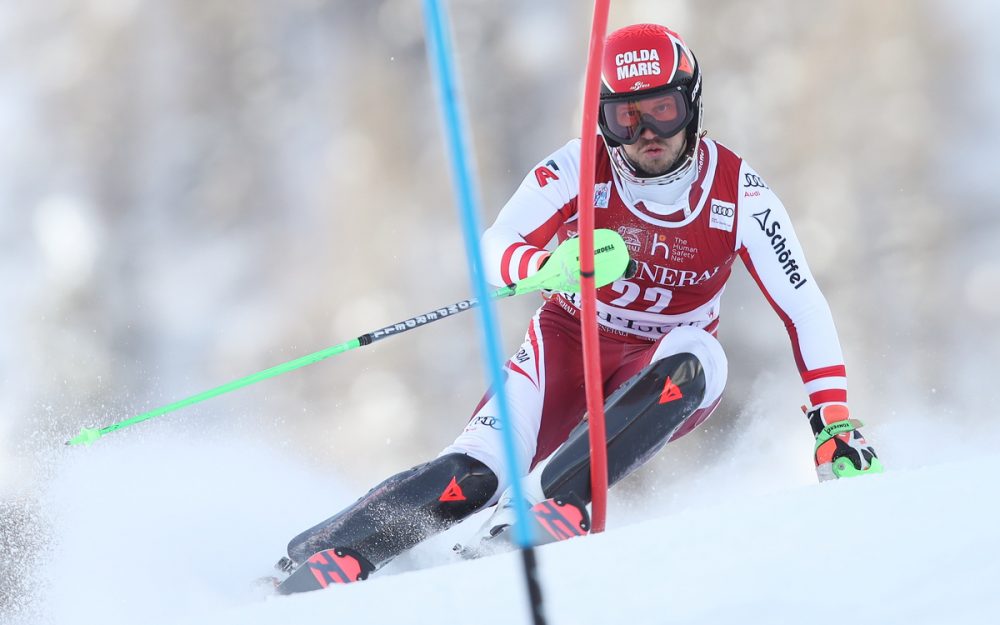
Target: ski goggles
pixel 665 113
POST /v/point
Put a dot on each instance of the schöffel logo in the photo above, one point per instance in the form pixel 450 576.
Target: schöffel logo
pixel 753 180
pixel 723 215
pixel 779 243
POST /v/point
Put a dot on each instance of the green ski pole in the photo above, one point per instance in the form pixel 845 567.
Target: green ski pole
pixel 561 272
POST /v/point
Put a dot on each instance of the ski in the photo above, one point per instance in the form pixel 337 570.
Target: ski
pixel 550 520
pixel 558 519
pixel 326 568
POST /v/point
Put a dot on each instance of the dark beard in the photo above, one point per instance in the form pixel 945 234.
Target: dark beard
pixel 678 161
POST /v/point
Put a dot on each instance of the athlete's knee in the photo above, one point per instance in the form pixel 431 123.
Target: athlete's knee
pixel 640 417
pixel 471 481
pixel 707 349
pixel 490 475
pixel 482 442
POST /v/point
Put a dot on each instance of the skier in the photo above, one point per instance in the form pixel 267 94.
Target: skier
pixel 686 207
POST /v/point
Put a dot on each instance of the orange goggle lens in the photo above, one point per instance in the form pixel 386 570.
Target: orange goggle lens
pixel 665 114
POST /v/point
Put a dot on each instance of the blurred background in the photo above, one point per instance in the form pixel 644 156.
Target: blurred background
pixel 195 190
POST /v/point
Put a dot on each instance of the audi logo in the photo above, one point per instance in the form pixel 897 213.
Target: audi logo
pixel 753 180
pixel 723 211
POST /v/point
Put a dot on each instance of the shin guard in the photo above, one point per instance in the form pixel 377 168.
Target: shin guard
pixel 403 510
pixel 640 417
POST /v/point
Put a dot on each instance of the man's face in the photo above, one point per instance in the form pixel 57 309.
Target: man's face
pixel 654 155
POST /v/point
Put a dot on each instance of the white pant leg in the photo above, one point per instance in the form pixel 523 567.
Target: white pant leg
pixel 482 438
pixel 709 352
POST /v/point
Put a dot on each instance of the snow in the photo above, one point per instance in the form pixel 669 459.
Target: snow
pixel 173 529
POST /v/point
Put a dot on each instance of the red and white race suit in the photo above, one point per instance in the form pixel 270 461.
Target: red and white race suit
pixel 685 236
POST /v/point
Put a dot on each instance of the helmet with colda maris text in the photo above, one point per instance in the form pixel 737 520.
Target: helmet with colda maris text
pixel 651 80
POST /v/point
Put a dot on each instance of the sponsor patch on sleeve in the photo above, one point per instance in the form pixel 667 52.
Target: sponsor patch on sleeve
pixel 723 214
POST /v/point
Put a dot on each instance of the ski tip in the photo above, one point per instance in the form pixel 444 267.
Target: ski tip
pixel 329 567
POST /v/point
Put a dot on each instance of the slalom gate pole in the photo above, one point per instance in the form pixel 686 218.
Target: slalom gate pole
pixel 593 381
pixel 441 57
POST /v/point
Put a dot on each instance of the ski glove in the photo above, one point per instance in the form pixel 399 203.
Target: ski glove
pixel 841 450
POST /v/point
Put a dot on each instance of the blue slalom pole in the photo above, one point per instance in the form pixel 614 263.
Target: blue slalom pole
pixel 455 125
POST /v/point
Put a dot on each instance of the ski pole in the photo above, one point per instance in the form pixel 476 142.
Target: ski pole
pixel 561 272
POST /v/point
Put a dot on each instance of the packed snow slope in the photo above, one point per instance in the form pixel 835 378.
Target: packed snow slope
pixel 158 529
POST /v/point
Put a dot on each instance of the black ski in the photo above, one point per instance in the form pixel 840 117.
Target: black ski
pixel 549 521
pixel 326 568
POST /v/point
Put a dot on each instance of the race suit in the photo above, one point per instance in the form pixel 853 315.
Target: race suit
pixel 684 236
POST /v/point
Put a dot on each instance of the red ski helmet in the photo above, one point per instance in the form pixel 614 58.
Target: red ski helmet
pixel 649 79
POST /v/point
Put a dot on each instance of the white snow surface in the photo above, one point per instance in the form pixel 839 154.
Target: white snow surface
pixel 173 530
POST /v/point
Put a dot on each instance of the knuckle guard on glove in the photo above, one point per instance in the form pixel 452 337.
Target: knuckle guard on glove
pixel 841 450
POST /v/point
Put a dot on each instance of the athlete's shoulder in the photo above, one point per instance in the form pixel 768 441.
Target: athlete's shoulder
pixel 727 157
pixel 561 166
pixel 728 164
pixel 568 153
pixel 574 148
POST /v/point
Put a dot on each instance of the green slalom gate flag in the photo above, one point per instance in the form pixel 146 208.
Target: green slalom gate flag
pixel 561 272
